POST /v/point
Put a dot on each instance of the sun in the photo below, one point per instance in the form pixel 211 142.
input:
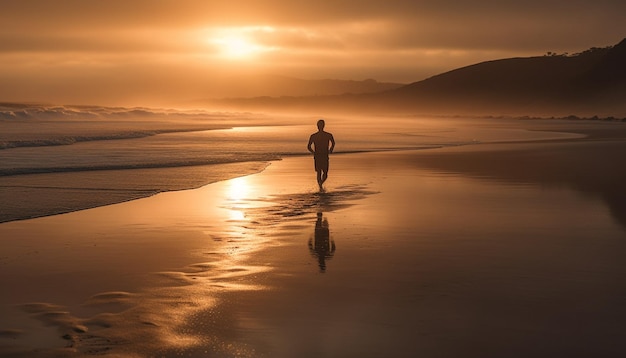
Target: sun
pixel 240 42
pixel 236 47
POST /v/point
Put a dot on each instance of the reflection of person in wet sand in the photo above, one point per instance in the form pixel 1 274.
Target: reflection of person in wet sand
pixel 321 144
pixel 321 246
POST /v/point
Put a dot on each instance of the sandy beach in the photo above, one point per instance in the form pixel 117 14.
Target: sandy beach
pixel 487 250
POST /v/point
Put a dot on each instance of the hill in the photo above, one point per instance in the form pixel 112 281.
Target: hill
pixel 589 83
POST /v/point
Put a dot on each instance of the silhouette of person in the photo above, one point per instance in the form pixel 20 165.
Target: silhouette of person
pixel 321 246
pixel 321 144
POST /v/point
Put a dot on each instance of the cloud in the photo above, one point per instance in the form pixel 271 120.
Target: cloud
pixel 144 25
pixel 77 47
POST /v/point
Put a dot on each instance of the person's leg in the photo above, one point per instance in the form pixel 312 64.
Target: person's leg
pixel 319 177
pixel 324 168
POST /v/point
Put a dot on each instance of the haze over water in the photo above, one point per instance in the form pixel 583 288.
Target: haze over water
pixel 111 159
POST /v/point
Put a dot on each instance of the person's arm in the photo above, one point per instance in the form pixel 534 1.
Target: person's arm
pixel 332 143
pixel 309 145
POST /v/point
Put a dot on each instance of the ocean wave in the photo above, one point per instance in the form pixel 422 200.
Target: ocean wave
pixel 102 167
pixel 67 140
pixel 40 112
pixel 25 125
pixel 16 111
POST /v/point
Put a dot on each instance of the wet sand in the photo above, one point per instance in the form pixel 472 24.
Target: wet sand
pixel 491 250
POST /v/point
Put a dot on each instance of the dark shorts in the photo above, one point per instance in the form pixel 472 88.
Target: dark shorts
pixel 321 162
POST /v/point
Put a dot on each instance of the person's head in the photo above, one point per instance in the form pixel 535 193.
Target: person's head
pixel 321 124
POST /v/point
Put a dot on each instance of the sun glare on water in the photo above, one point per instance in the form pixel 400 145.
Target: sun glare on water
pixel 238 189
pixel 237 192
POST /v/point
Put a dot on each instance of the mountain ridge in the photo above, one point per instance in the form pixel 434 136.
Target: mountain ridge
pixel 592 82
pixel 532 83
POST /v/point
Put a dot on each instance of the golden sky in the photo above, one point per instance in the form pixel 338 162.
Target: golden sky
pixel 151 51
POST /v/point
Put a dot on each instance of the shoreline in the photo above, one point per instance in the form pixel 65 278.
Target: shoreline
pixel 55 184
pixel 49 190
pixel 38 195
